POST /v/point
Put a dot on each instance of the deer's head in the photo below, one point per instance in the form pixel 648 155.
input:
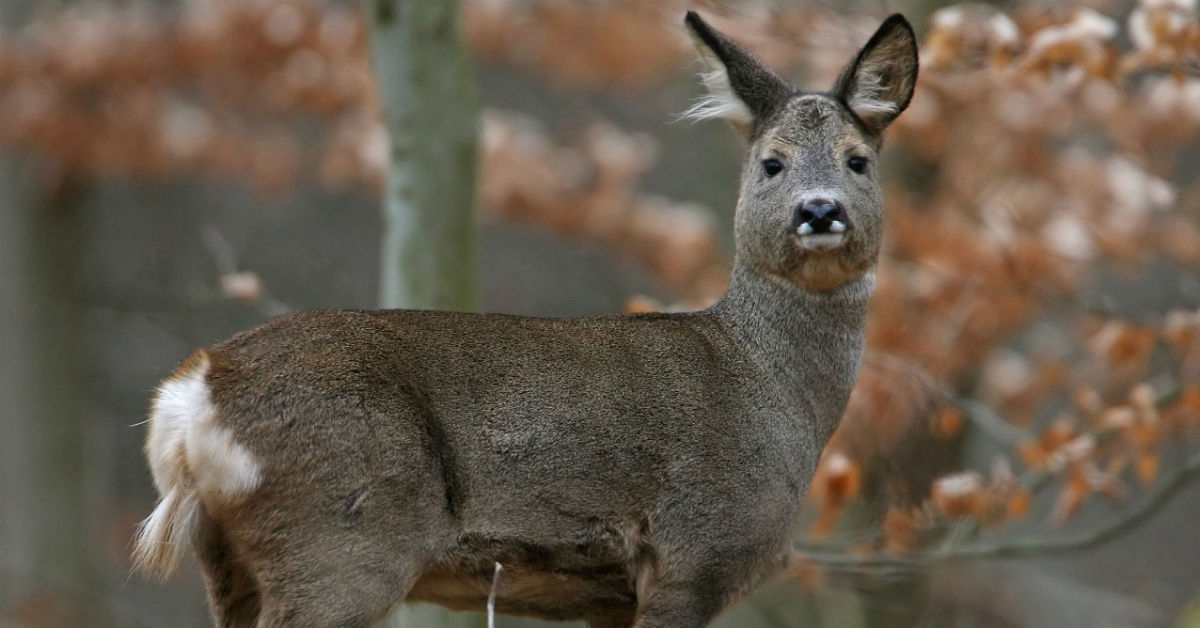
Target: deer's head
pixel 809 210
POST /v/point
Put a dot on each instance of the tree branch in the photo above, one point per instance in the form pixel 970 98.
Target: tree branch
pixel 1018 547
pixel 988 421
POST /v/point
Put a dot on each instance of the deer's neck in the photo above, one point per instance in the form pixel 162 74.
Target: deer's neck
pixel 809 343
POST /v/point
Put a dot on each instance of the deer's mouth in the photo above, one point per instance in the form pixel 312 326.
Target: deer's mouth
pixel 826 239
pixel 822 241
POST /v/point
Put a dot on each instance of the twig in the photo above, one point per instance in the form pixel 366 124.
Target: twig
pixel 221 250
pixel 1018 547
pixel 491 603
pixel 267 305
pixel 989 422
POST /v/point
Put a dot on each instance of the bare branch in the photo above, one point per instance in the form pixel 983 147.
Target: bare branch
pixel 244 286
pixel 989 422
pixel 1016 548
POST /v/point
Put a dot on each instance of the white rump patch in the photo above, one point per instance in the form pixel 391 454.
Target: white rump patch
pixel 221 466
pixel 186 446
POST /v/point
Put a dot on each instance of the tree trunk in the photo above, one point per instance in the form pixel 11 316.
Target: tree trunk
pixel 430 108
pixel 48 572
pixel 429 105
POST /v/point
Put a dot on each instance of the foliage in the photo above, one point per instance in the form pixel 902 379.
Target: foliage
pixel 1046 153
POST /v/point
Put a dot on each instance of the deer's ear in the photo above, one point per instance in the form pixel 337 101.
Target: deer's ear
pixel 740 88
pixel 879 82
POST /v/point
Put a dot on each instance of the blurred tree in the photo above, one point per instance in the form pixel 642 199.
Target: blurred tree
pixel 431 111
pixel 47 571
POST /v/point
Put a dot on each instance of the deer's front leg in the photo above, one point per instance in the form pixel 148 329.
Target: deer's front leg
pixel 688 603
pixel 690 588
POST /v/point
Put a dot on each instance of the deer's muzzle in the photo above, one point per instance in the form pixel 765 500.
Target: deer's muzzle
pixel 820 223
pixel 819 215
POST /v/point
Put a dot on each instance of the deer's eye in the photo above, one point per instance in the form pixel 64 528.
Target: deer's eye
pixel 772 167
pixel 857 164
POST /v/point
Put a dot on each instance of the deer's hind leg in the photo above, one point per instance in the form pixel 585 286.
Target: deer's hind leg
pixel 346 579
pixel 348 511
pixel 349 549
pixel 615 618
pixel 295 587
pixel 233 594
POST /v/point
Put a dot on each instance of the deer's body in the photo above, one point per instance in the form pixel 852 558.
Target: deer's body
pixel 628 469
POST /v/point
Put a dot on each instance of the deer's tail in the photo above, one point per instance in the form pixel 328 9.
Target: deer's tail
pixel 191 455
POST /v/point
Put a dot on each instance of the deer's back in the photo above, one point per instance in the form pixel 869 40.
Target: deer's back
pixel 596 403
pixel 509 403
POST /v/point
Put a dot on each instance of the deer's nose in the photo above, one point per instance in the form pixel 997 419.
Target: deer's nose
pixel 820 215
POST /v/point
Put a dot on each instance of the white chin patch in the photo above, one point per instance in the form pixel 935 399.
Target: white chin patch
pixel 821 241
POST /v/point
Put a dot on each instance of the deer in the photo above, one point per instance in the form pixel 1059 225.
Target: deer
pixel 627 470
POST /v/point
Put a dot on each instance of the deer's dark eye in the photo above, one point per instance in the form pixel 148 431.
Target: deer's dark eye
pixel 772 167
pixel 857 164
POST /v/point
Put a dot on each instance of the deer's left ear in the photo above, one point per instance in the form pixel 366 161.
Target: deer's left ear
pixel 879 83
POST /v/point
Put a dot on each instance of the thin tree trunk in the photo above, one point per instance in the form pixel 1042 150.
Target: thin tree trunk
pixel 430 108
pixel 431 112
pixel 47 568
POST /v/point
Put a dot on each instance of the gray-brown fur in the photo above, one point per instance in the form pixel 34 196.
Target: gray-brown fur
pixel 628 470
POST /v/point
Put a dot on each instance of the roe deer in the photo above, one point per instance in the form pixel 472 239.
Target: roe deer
pixel 639 470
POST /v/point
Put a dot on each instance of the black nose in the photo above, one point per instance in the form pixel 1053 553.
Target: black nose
pixel 820 215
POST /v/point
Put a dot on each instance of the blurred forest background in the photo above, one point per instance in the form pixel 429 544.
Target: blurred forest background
pixel 1022 447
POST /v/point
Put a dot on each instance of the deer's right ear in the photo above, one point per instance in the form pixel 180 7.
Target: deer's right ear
pixel 740 88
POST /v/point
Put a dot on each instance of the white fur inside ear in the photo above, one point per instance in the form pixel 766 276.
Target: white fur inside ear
pixel 866 100
pixel 720 101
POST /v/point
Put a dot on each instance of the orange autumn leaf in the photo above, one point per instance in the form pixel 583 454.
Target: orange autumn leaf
pixel 1123 344
pixel 1017 506
pixel 948 423
pixel 1061 431
pixel 838 479
pixel 1119 418
pixel 1087 400
pixel 1032 454
pixel 1147 467
pixel 1074 493
pixel 1142 397
pixel 1189 399
pixel 638 304
pixel 901 530
pixel 823 525
pixel 1037 454
pixel 810 574
pixel 958 495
